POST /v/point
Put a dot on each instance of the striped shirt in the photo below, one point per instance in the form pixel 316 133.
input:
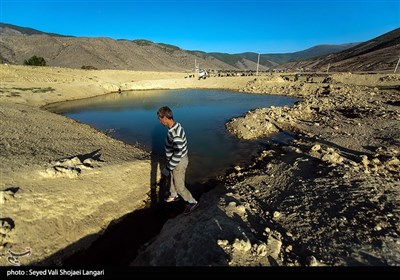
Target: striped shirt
pixel 175 146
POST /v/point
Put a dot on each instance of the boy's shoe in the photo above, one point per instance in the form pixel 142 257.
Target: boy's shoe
pixel 190 207
pixel 171 198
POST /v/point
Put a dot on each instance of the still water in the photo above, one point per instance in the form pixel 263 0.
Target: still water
pixel 132 118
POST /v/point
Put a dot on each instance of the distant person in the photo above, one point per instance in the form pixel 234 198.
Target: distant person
pixel 176 151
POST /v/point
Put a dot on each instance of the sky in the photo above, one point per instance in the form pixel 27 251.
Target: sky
pixel 228 26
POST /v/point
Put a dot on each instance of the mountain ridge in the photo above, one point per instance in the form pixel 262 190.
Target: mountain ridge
pixel 378 54
pixel 19 43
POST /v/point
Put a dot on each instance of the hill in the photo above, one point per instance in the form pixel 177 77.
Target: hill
pixel 102 53
pixel 10 29
pixel 378 54
pixel 272 60
pixel 20 43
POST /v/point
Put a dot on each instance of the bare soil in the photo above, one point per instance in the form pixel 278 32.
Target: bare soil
pixel 328 198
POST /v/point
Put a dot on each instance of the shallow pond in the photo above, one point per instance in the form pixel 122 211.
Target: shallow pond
pixel 132 118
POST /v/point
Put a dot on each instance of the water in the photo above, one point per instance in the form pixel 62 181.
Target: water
pixel 131 117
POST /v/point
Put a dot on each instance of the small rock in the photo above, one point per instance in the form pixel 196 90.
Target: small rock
pixel 232 204
pixel 378 228
pixel 277 214
pixel 262 250
pixel 223 243
pixel 312 261
pixel 242 245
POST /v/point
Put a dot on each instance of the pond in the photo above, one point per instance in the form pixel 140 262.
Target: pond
pixel 132 118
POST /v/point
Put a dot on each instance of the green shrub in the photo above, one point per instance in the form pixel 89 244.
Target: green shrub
pixel 35 61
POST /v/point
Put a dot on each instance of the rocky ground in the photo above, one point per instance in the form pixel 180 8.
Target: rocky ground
pixel 328 198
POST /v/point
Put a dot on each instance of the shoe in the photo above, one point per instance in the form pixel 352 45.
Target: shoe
pixel 190 207
pixel 171 199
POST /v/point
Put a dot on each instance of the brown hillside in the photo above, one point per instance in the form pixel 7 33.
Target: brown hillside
pixel 18 44
pixel 102 53
pixel 245 64
pixel 378 54
pixel 383 60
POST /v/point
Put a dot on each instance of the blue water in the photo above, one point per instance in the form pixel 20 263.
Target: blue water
pixel 132 118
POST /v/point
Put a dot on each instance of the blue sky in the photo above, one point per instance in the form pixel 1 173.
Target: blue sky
pixel 230 26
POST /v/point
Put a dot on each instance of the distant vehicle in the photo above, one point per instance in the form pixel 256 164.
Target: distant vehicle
pixel 203 74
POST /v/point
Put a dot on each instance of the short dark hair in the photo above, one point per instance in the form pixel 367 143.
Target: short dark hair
pixel 165 112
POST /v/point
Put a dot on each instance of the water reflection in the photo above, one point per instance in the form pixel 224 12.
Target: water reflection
pixel 203 113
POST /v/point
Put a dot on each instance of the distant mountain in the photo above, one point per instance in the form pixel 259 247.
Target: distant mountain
pixel 20 43
pixel 271 60
pixel 378 54
pixel 9 29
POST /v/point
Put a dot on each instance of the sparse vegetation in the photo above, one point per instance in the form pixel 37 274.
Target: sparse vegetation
pixel 230 59
pixel 168 48
pixel 142 42
pixel 35 61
